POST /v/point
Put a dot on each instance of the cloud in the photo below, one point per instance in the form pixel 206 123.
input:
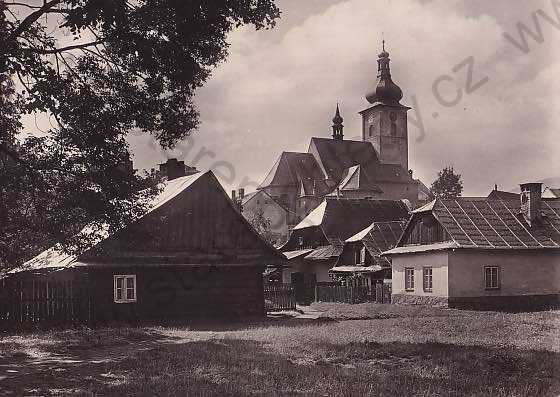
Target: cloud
pixel 279 88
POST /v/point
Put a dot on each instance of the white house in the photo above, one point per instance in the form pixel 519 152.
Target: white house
pixel 481 253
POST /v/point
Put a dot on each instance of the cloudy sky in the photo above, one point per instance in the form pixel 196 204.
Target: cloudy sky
pixel 497 124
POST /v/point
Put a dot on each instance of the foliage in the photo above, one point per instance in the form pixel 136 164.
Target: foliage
pixel 448 184
pixel 98 69
pixel 262 225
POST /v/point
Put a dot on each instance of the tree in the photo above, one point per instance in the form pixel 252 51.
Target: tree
pixel 448 184
pixel 107 67
pixel 262 225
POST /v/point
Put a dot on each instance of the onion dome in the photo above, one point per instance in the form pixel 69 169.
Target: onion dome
pixel 385 91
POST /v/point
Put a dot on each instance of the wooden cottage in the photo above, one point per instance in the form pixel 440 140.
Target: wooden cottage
pixel 317 241
pixel 191 255
pixel 481 253
pixel 361 255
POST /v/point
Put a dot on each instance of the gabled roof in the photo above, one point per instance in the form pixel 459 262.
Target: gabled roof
pixel 502 195
pixel 378 238
pixel 339 218
pixel 491 224
pixel 299 170
pixel 357 179
pixel 172 191
pixel 336 156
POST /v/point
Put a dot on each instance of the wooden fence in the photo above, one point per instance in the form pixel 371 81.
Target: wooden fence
pixel 28 303
pixel 380 293
pixel 279 297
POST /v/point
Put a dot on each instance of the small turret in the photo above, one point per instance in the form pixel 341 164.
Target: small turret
pixel 338 127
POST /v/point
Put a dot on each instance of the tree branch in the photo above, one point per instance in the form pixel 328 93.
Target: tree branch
pixel 32 18
pixel 68 48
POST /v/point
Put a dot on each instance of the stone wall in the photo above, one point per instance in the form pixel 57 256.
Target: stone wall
pixel 408 299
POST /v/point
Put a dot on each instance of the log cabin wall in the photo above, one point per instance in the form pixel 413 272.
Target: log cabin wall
pixel 180 293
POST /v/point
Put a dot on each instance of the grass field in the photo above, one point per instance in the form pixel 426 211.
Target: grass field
pixel 349 350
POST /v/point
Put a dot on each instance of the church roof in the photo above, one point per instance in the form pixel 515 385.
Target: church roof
pixel 336 156
pixel 297 169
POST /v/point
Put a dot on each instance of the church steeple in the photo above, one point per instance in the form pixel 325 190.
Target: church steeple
pixel 385 91
pixel 337 127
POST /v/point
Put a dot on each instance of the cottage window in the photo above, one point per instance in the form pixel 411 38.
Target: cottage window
pixel 124 288
pixel 409 279
pixel 491 277
pixel 300 240
pixel 363 255
pixel 427 273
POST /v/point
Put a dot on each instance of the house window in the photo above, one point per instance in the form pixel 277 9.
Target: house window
pixel 360 256
pixel 371 127
pixel 300 240
pixel 491 277
pixel 427 274
pixel 409 279
pixel 124 288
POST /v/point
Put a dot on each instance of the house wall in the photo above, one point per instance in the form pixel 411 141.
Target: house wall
pixel 277 215
pixel 398 191
pixel 175 293
pixel 439 263
pixel 521 273
pixel 319 268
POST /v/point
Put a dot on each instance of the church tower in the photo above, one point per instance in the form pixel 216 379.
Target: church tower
pixel 384 124
pixel 337 127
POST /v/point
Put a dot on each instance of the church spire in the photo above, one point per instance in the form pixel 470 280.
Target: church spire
pixel 337 127
pixel 386 91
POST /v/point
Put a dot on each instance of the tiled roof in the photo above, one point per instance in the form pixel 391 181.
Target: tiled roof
pixel 497 223
pixel 383 236
pixel 336 156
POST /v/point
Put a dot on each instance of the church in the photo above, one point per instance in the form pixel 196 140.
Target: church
pixel 374 168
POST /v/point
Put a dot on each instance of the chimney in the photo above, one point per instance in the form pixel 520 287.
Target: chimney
pixel 233 198
pixel 410 173
pixel 531 201
pixel 241 193
pixel 496 186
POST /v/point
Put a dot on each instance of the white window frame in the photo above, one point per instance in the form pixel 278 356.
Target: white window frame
pixel 493 285
pixel 408 286
pixel 124 298
pixel 427 278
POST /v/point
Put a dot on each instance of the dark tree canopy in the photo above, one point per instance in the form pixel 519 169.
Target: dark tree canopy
pixel 448 184
pixel 98 69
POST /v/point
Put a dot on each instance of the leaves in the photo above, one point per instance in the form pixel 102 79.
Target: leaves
pixel 448 184
pixel 128 65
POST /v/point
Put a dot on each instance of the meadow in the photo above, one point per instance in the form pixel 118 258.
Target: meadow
pixel 350 350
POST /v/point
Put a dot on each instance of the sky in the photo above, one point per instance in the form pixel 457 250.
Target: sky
pixel 482 102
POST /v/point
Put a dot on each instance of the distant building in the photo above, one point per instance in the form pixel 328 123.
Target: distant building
pixel 492 253
pixel 502 195
pixel 317 241
pixel 550 192
pixel 174 168
pixel 374 167
pixel 361 253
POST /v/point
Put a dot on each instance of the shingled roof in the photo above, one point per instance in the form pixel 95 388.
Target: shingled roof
pixel 337 219
pixel 491 224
